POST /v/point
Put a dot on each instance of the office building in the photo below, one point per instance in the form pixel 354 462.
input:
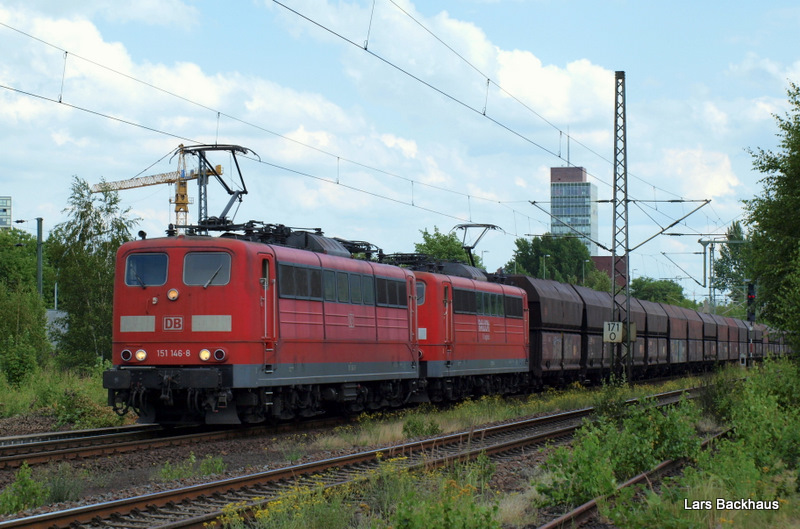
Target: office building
pixel 5 213
pixel 573 205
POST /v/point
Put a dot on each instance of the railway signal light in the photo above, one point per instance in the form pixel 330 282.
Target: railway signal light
pixel 751 299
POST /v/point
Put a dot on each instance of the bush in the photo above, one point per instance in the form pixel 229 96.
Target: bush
pixel 760 462
pixel 23 493
pixel 74 407
pixel 18 361
pixel 419 426
pixel 604 454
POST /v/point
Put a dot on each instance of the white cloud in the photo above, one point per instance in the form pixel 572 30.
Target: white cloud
pixel 580 92
pixel 171 13
pixel 407 147
pixel 698 174
pixel 714 118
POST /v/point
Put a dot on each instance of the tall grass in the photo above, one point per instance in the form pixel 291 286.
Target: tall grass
pixel 759 463
pixel 72 399
pixel 375 429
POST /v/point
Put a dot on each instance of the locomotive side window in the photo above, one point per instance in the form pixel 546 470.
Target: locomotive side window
pixel 497 305
pixel 390 292
pixel 286 281
pixel 513 306
pixel 146 269
pixel 355 289
pixel 299 282
pixel 465 301
pixel 206 268
pixel 315 282
pixel 368 290
pixel 342 287
pixel 487 304
pixel 330 285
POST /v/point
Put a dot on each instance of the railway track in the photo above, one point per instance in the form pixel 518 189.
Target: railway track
pixel 84 444
pixel 197 505
pixel 38 449
pixel 588 511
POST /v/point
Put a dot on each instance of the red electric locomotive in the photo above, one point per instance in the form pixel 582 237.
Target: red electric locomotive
pixel 473 336
pixel 220 330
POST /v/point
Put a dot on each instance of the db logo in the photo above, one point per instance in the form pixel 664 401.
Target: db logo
pixel 173 323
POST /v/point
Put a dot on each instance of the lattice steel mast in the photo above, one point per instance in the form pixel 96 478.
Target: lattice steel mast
pixel 621 295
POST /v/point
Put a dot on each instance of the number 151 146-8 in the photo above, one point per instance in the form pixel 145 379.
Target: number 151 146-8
pixel 173 353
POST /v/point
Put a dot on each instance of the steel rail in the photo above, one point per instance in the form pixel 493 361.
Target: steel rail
pixel 476 440
pixel 588 510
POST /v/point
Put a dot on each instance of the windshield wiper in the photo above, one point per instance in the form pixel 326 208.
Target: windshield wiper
pixel 139 279
pixel 210 279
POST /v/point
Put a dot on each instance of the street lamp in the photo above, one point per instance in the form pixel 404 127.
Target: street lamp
pixel 545 264
pixel 583 271
pixel 38 252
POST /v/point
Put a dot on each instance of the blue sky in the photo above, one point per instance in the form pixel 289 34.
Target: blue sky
pixel 703 80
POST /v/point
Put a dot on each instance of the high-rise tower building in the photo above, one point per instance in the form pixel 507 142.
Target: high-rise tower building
pixel 5 212
pixel 573 204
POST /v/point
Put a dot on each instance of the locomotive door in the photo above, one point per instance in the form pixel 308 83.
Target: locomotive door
pixel 447 314
pixel 269 311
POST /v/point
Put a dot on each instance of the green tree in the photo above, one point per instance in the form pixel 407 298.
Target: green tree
pixel 84 247
pixel 564 259
pixel 18 263
pixel 732 266
pixel 660 291
pixel 775 224
pixel 22 310
pixel 446 247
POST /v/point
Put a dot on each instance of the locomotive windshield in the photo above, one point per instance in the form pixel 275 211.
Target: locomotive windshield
pixel 206 268
pixel 146 269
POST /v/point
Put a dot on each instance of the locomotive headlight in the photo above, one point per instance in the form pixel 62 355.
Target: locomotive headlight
pixel 205 355
pixel 126 355
pixel 219 355
pixel 172 294
pixel 141 355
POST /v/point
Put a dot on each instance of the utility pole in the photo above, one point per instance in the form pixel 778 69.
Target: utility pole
pixel 38 252
pixel 39 255
pixel 620 263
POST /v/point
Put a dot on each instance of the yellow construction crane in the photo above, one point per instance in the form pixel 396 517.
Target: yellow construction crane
pixel 179 178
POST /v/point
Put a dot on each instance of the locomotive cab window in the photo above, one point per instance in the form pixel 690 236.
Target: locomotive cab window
pixel 146 269
pixel 420 293
pixel 206 268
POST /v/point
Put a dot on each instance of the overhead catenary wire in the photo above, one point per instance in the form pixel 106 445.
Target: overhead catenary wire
pixel 218 113
pixel 463 103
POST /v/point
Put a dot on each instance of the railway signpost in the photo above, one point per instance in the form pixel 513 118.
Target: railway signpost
pixel 614 332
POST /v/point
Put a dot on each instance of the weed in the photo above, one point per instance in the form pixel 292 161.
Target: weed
pixel 23 493
pixel 306 506
pixel 760 463
pixel 419 426
pixel 610 451
pixel 611 399
pixel 64 483
pixel 190 468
